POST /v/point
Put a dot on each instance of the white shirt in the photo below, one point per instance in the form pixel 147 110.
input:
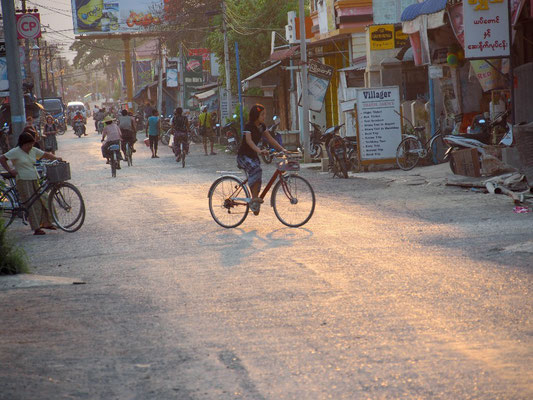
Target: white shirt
pixel 24 162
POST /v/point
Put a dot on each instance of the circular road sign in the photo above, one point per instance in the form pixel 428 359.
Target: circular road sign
pixel 28 26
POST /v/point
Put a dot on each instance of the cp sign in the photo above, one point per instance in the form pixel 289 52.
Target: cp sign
pixel 28 26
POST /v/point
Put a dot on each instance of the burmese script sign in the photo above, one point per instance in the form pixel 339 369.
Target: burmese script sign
pixel 319 77
pixel 379 125
pixel 486 27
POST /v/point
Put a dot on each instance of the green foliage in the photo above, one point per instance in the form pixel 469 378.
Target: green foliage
pixel 250 23
pixel 13 260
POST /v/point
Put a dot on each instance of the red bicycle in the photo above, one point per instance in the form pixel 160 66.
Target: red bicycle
pixel 293 198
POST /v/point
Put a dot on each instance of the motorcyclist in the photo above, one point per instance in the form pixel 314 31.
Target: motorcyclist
pixel 79 119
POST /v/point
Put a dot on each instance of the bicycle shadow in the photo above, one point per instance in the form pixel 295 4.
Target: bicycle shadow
pixel 236 245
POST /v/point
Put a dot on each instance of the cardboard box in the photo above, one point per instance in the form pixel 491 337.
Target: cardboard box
pixel 466 162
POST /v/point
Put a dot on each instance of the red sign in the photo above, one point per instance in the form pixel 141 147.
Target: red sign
pixel 28 26
pixel 200 52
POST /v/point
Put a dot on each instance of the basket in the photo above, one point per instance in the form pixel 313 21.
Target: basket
pixel 58 172
pixel 288 165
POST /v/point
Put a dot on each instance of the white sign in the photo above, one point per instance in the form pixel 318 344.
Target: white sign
pixel 486 27
pixel 28 26
pixel 380 127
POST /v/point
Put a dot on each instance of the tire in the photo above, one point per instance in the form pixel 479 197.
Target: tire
pixel 195 136
pixel 343 169
pixel 353 160
pixel 7 208
pixel 290 192
pixel 408 153
pixel 452 164
pixel 222 208
pixel 165 138
pixel 129 156
pixel 66 206
pixel 62 130
pixel 114 165
pixel 439 148
pixel 316 151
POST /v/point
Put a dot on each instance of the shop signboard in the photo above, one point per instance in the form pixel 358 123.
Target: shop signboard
pixel 381 37
pixel 400 39
pixel 319 76
pixel 172 72
pixel 379 125
pixel 486 29
pixel 28 26
pixel 193 77
pixel 92 17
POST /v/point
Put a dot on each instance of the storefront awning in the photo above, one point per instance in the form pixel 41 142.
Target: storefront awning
pixel 247 81
pixel 359 64
pixel 427 7
pixel 279 55
pixel 426 15
pixel 205 95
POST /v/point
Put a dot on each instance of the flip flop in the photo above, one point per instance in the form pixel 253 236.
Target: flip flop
pixel 39 232
pixel 50 228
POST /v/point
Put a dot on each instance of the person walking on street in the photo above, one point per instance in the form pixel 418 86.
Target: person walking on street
pixel 248 154
pixel 153 127
pixel 180 126
pixel 50 132
pixel 206 130
pixel 126 124
pixel 23 157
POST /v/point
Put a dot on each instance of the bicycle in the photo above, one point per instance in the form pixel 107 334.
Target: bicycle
pixel 65 201
pixel 411 149
pixel 129 154
pixel 229 196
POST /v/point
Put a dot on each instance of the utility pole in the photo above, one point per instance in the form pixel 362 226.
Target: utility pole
pixel 181 71
pixel 61 72
pixel 304 126
pixel 14 74
pixel 226 63
pixel 160 81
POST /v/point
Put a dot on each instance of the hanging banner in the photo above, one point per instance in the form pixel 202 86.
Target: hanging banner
pixel 319 76
pixel 143 73
pixel 91 17
pixel 193 77
pixel 172 72
pixel 486 28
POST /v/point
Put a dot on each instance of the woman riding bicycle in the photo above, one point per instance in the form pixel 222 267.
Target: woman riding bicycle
pixel 180 126
pixel 23 157
pixel 248 154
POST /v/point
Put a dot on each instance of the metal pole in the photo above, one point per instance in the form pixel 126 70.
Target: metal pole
pixel 226 63
pixel 511 66
pixel 304 126
pixel 14 74
pixel 239 84
pixel 46 69
pixel 40 69
pixel 181 70
pixel 432 115
pixel 160 81
pixel 61 77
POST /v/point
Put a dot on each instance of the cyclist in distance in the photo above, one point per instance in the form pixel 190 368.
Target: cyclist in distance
pixel 248 154
pixel 180 126
pixel 126 123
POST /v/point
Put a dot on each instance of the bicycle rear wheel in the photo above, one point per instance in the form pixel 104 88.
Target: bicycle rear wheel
pixel 227 203
pixel 293 200
pixel 114 165
pixel 439 148
pixel 408 153
pixel 183 154
pixel 66 206
pixel 129 154
pixel 7 208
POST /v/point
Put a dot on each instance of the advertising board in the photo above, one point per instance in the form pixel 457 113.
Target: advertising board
pixel 92 17
pixel 379 125
pixel 319 76
pixel 486 28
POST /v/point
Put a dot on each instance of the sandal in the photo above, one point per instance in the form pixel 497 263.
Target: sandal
pixel 39 232
pixel 50 228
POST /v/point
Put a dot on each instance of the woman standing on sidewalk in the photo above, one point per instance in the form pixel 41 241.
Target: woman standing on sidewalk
pixel 23 157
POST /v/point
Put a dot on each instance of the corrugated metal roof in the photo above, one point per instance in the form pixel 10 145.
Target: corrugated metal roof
pixel 427 7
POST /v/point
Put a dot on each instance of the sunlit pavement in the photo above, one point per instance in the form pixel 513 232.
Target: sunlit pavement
pixel 391 291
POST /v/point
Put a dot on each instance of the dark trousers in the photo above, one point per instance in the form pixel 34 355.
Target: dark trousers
pixel 127 137
pixel 180 138
pixel 153 143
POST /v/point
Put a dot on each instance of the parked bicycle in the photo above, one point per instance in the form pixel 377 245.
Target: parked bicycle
pixel 293 198
pixel 65 201
pixel 412 149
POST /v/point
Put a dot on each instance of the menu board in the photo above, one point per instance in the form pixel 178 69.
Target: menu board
pixel 379 122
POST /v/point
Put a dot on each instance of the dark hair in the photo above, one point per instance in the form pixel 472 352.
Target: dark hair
pixel 124 112
pixel 25 137
pixel 254 112
pixel 178 110
pixel 155 112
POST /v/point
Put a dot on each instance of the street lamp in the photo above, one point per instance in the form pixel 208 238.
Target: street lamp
pixel 40 83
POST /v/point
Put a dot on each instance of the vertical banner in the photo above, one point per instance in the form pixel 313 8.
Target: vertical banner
pixel 193 76
pixel 319 76
pixel 379 125
pixel 486 28
pixel 143 73
pixel 172 72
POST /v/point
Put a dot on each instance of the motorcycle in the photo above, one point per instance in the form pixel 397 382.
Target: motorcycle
pixel 316 142
pixel 478 138
pixel 229 131
pixel 267 158
pixel 79 127
pixel 139 122
pixel 337 152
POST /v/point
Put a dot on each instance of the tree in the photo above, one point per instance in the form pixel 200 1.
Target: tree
pixel 250 23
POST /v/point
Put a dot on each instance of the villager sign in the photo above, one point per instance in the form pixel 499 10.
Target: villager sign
pixel 379 127
pixel 486 28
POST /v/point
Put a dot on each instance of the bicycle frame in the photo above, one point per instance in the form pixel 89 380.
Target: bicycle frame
pixel 26 205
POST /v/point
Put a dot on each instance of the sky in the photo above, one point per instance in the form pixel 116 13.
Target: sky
pixel 58 16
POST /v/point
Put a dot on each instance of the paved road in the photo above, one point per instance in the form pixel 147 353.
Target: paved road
pixel 391 291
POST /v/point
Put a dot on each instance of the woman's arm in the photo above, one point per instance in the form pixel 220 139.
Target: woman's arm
pixel 50 156
pixel 273 142
pixel 3 162
pixel 248 138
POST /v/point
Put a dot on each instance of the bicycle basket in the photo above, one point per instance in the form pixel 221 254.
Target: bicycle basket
pixel 288 165
pixel 58 172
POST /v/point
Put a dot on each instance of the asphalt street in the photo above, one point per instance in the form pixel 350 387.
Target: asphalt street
pixel 396 289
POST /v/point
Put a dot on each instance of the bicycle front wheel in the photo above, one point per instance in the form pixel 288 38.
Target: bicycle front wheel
pixel 293 200
pixel 228 201
pixel 439 148
pixel 66 206
pixel 408 153
pixel 7 208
